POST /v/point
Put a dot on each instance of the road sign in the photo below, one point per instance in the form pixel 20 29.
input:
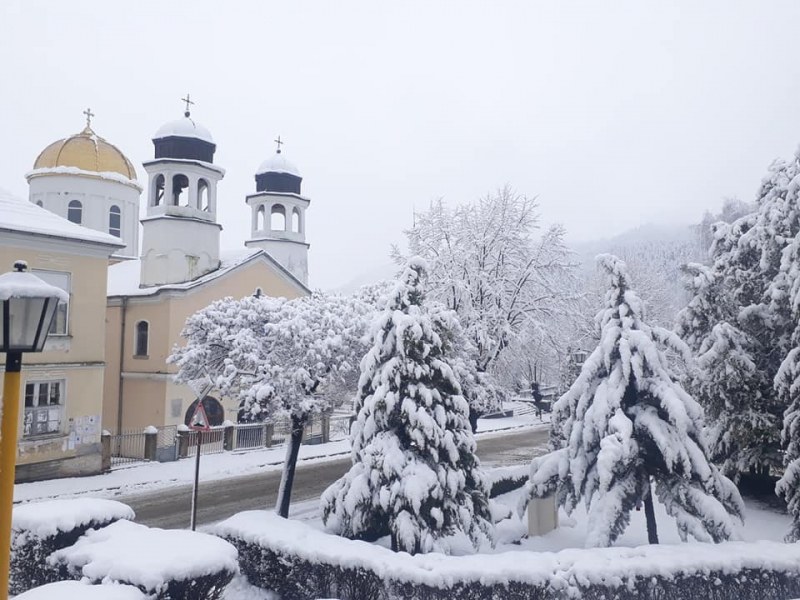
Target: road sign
pixel 199 420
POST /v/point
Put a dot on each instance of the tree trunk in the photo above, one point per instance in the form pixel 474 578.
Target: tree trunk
pixel 287 477
pixel 650 516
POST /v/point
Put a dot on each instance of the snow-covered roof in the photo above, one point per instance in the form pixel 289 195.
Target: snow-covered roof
pixel 20 215
pixel 185 127
pixel 277 163
pixel 108 175
pixel 124 277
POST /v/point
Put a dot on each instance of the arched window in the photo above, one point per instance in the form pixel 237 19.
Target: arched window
pixel 277 221
pixel 261 218
pixel 180 196
pixel 202 195
pixel 142 339
pixel 158 190
pixel 296 221
pixel 115 221
pixel 75 212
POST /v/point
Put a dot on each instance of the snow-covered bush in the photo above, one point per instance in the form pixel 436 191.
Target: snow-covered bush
pixel 625 423
pixel 415 476
pixel 76 590
pixel 38 529
pixel 300 562
pixel 166 564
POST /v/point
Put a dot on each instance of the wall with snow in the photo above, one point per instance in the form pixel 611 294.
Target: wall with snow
pixel 297 561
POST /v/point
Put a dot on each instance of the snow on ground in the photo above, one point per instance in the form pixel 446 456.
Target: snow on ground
pixel 76 590
pixel 143 477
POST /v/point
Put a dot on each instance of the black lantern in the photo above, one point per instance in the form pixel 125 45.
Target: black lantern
pixel 27 308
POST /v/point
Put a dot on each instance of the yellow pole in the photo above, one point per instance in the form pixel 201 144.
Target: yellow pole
pixel 8 461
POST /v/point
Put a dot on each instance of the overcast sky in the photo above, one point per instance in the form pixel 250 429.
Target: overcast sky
pixel 613 113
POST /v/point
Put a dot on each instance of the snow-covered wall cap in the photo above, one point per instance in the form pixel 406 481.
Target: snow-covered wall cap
pixel 62 170
pixel 18 284
pixel 185 128
pixel 278 164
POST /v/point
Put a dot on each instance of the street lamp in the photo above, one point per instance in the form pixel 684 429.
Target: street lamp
pixel 27 308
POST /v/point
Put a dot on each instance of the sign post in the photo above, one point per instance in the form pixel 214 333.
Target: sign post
pixel 199 424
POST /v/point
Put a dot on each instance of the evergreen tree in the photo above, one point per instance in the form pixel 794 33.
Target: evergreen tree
pixel 727 381
pixel 787 385
pixel 415 475
pixel 625 423
pixel 752 300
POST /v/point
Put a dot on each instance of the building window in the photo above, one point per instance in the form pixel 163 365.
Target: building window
pixel 39 204
pixel 115 221
pixel 142 338
pixel 75 212
pixel 176 406
pixel 296 221
pixel 61 280
pixel 278 218
pixel 44 407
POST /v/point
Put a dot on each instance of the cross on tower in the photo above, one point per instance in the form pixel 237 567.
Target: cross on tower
pixel 89 114
pixel 188 101
pixel 279 142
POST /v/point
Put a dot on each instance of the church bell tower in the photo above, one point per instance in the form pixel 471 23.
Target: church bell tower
pixel 180 235
pixel 278 223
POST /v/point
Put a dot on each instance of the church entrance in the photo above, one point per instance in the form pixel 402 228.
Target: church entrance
pixel 213 408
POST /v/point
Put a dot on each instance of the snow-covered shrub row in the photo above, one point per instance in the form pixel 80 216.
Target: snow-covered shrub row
pixel 507 479
pixel 300 562
pixel 165 564
pixel 76 590
pixel 39 529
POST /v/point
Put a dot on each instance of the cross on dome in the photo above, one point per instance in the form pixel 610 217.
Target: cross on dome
pixel 188 101
pixel 89 114
pixel 279 142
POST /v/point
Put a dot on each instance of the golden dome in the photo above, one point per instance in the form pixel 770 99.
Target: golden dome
pixel 86 151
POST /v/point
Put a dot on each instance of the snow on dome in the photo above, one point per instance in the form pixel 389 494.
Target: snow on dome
pixel 185 128
pixel 278 164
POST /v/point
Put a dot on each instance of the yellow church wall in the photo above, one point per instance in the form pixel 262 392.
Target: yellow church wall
pixel 70 443
pixel 149 397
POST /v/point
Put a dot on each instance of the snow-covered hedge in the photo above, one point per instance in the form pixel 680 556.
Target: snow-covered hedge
pixel 75 590
pixel 166 564
pixel 299 562
pixel 507 479
pixel 39 529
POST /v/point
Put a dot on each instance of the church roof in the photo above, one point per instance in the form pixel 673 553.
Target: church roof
pixel 277 163
pixel 185 127
pixel 124 277
pixel 87 152
pixel 22 216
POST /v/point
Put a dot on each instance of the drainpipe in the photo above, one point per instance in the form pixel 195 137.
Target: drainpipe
pixel 123 310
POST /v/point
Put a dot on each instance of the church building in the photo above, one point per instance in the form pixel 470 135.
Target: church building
pixel 182 270
pixel 81 230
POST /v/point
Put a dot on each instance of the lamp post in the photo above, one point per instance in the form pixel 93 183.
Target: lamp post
pixel 27 308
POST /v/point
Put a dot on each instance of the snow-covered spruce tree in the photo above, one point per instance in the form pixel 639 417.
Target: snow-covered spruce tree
pixel 747 268
pixel 726 380
pixel 787 385
pixel 278 357
pixel 626 422
pixel 415 476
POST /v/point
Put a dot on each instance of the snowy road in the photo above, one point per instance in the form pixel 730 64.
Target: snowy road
pixel 169 507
